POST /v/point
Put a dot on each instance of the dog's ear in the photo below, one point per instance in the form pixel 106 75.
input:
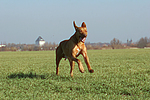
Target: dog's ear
pixel 83 24
pixel 75 26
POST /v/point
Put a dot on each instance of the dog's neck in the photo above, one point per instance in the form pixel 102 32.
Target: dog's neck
pixel 74 38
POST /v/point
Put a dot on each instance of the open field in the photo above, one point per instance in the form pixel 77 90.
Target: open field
pixel 119 74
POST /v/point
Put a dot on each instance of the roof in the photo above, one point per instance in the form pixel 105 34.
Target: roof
pixel 40 39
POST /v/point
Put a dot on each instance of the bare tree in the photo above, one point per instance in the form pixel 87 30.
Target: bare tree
pixel 115 43
pixel 142 42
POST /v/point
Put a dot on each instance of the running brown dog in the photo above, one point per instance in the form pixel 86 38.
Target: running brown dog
pixel 72 48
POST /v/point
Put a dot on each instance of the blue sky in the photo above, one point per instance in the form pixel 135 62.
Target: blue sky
pixel 22 21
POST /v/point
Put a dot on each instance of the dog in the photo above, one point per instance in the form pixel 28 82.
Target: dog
pixel 72 48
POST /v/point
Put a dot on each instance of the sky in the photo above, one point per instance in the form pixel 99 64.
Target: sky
pixel 23 21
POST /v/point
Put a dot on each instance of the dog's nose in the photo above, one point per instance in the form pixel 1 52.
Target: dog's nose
pixel 84 35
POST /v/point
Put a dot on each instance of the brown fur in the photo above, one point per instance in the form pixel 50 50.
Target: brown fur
pixel 72 48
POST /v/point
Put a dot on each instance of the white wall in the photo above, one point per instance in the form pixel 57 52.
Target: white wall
pixel 41 43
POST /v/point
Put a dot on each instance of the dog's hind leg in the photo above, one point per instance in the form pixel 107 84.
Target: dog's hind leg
pixel 59 56
pixel 72 67
pixel 57 64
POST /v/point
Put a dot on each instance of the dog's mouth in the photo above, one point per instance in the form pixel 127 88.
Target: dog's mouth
pixel 82 39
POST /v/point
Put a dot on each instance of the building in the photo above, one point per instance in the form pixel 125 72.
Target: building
pixel 129 42
pixel 1 45
pixel 40 41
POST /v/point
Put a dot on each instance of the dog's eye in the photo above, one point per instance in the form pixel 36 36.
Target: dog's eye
pixel 80 31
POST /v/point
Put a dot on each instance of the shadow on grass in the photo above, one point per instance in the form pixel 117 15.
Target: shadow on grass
pixel 22 75
pixel 51 76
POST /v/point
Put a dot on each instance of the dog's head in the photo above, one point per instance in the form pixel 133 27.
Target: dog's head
pixel 81 32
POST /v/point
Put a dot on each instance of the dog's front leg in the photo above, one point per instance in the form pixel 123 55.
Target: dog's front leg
pixel 86 59
pixel 79 64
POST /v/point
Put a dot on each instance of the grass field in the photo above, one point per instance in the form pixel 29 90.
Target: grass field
pixel 119 74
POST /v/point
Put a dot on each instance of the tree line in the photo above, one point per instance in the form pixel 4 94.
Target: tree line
pixel 143 42
pixel 114 44
pixel 117 44
pixel 28 47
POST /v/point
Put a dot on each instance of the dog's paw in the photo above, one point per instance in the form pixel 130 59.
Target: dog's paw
pixel 91 71
pixel 82 71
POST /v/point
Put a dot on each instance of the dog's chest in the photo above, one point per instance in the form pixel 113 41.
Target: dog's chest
pixel 78 51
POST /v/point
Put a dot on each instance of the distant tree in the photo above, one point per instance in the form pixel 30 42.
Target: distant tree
pixel 30 47
pixel 13 48
pixel 149 40
pixel 115 43
pixel 142 42
pixel 54 45
pixel 88 45
pixel 36 48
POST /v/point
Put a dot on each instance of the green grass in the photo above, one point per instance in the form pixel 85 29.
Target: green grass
pixel 119 74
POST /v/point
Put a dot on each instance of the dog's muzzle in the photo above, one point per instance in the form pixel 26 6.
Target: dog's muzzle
pixel 82 38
